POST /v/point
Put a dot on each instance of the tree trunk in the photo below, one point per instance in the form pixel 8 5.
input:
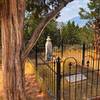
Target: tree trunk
pixel 11 52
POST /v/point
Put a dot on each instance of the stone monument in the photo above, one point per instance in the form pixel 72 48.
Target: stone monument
pixel 48 49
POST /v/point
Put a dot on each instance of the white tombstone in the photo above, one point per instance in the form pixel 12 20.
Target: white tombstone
pixel 48 49
pixel 76 78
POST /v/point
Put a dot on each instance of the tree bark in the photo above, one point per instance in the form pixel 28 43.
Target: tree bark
pixel 11 51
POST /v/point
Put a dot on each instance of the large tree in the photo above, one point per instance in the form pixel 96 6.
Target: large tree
pixel 93 15
pixel 13 53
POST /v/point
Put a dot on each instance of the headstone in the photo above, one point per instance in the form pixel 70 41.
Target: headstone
pixel 48 49
pixel 76 78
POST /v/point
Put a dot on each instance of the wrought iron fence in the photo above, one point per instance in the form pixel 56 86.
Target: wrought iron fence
pixel 71 77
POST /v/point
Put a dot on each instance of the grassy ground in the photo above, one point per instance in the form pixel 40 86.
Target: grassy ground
pixel 90 56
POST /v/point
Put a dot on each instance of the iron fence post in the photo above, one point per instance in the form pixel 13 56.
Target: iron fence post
pixel 58 86
pixel 83 54
pixel 62 48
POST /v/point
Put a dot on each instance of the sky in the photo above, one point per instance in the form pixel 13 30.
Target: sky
pixel 72 10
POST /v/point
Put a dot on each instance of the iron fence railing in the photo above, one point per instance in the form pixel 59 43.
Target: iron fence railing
pixel 71 77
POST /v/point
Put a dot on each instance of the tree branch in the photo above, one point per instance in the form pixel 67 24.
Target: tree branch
pixel 37 32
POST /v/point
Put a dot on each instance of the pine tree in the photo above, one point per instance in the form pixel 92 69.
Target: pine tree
pixel 93 15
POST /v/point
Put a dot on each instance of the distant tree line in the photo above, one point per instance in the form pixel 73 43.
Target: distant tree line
pixel 73 34
pixel 70 33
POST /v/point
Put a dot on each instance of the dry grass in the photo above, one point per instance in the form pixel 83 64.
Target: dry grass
pixel 89 56
pixel 29 67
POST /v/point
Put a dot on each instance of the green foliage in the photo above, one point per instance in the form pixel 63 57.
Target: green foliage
pixel 41 8
pixel 30 24
pixel 36 10
pixel 86 35
pixel 94 10
pixel 34 14
pixel 70 33
pixel 37 7
pixel 93 15
pixel 52 31
pixel 73 34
